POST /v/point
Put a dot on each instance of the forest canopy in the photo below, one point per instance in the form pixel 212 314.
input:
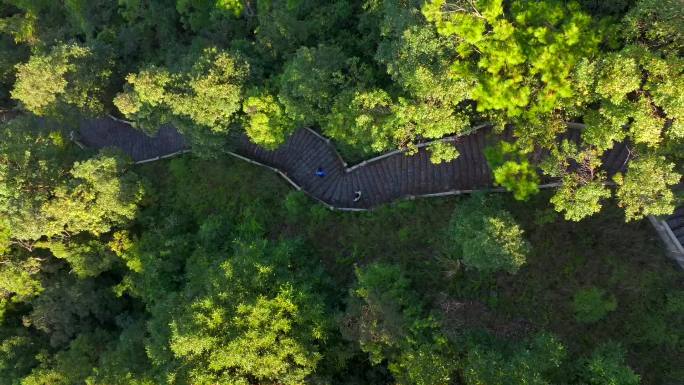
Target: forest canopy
pixel 203 271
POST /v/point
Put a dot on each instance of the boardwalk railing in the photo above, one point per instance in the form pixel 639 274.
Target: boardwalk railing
pixel 452 138
pixel 160 157
pixel 293 183
pixel 674 248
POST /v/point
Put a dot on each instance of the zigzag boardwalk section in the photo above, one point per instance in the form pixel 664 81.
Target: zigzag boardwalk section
pixel 379 180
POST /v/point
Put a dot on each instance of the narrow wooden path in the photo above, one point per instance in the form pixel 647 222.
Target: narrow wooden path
pixel 389 177
pixel 380 180
pixel 106 132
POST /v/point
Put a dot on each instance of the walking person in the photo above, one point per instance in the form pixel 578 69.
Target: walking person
pixel 357 196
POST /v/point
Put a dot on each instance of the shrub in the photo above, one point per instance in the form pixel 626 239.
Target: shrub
pixel 487 237
pixel 592 304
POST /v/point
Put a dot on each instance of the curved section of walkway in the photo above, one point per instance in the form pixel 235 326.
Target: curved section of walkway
pixel 388 177
pixel 380 180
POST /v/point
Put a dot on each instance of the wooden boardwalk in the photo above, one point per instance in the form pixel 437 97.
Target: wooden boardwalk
pixel 380 180
pixel 676 224
pixel 106 132
pixel 388 177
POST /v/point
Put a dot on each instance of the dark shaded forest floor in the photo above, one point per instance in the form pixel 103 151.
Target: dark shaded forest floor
pixel 624 259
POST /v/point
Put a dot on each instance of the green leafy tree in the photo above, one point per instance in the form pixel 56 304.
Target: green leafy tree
pixel 239 318
pixel 43 194
pixel 606 366
pixel 21 27
pixel 87 259
pixel 486 237
pixel 71 366
pixel 512 170
pixel 618 76
pixel 578 199
pixel 432 101
pixel 19 277
pixel 522 58
pixel 417 58
pixel 657 24
pixel 145 97
pixel 592 305
pixel 413 121
pixel 361 119
pixel 527 363
pixel 70 306
pixel 67 76
pixel 286 26
pixel 18 353
pixel 388 321
pixel 197 14
pixel 442 152
pixel 635 90
pixel 11 54
pixel 201 97
pixel 124 360
pixel 310 81
pixel 582 183
pixel 645 188
pixel 267 124
pixel 100 195
pixel 34 159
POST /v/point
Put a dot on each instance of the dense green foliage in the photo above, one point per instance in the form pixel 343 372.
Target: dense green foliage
pixel 202 270
pixel 244 284
pixel 375 75
pixel 591 306
pixel 486 237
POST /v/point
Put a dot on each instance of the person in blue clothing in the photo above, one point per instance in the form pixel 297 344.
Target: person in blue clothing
pixel 320 172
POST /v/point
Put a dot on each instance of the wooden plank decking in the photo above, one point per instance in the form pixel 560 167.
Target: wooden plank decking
pixel 380 180
pixel 389 177
pixel 105 132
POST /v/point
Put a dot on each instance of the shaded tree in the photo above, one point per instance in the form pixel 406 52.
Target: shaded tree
pixel 526 363
pixel 311 80
pixel 486 237
pixel 389 322
pixel 606 366
pixel 592 304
